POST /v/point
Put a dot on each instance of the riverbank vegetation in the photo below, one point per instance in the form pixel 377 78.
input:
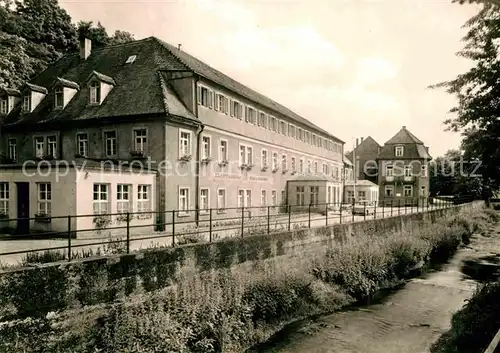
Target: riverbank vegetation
pixel 229 311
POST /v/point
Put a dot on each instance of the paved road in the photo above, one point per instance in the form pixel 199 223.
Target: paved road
pixel 144 241
pixel 409 321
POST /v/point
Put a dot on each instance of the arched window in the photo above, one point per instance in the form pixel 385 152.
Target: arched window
pixel 95 92
pixel 58 97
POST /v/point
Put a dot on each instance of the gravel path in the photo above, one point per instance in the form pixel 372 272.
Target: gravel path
pixel 408 321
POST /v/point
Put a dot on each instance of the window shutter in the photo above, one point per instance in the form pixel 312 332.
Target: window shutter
pixel 211 99
pixel 231 108
pixel 198 89
pixel 216 105
pixel 226 103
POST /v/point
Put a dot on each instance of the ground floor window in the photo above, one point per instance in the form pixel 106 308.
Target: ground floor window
pixel 350 196
pixel 44 199
pixel 144 201
pixel 183 200
pixel 100 199
pixel 4 199
pixel 244 198
pixel 300 196
pixel 389 190
pixel 263 199
pixel 314 195
pixel 362 195
pixel 123 198
pixel 221 200
pixel 274 198
pixel 408 190
pixel 283 198
pixel 204 200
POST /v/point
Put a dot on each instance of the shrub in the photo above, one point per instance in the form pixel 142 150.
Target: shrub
pixel 473 327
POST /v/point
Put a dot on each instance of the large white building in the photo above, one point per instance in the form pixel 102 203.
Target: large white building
pixel 207 142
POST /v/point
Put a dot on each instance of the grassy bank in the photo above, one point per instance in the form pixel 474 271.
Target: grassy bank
pixel 473 327
pixel 227 312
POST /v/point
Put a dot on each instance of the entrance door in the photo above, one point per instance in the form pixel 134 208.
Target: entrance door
pixel 23 208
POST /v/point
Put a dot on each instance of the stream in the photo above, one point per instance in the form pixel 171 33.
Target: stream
pixel 407 320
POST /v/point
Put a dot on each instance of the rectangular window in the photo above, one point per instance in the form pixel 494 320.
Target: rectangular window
pixel 12 149
pixel 262 119
pixel 140 140
pixel 82 144
pixel 144 200
pixel 263 198
pixel 307 137
pixel 59 97
pixel 123 198
pixel 275 161
pixel 408 190
pixel 248 198
pixel 308 167
pixel 301 166
pixel 283 163
pixel 95 92
pixel 223 151
pixel 100 199
pixel 251 115
pixel 26 103
pixel 423 170
pixel 110 140
pixel 3 106
pixel 274 198
pixel 263 158
pixel 39 147
pixel 273 126
pixel 221 200
pixel 283 197
pixel 293 165
pixel 361 195
pixel 4 199
pixel 183 200
pixel 206 147
pixel 44 199
pixel 300 196
pixel 204 200
pixel 389 190
pixel 221 103
pixel 244 198
pixel 314 195
pixel 408 171
pixel 283 128
pixel 389 170
pixel 185 144
pixel 242 155
pixel 241 198
pixel 203 96
pixel 237 110
pixel 249 159
pixel 52 146
pixel 399 151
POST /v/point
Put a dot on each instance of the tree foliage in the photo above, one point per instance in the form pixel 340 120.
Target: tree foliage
pixel 451 174
pixel 478 93
pixel 35 33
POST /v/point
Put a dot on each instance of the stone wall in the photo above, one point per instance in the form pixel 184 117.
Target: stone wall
pixel 50 287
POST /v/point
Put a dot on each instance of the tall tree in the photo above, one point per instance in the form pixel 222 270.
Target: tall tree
pixel 478 93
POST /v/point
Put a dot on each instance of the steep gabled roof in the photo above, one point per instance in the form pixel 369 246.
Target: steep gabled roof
pixel 218 77
pixel 413 147
pixel 371 140
pixel 403 136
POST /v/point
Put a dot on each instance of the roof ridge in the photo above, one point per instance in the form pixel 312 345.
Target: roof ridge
pixel 290 113
pixel 110 46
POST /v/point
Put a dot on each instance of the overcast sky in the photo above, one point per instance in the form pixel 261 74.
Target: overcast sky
pixel 353 67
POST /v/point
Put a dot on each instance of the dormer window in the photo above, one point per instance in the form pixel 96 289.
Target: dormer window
pixel 27 103
pixel 399 151
pixel 3 106
pixel 59 97
pixel 95 92
pixel 99 87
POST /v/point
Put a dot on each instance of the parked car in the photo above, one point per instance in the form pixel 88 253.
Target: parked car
pixel 363 208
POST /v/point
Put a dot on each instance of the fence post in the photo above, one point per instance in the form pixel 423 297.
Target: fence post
pixel 173 228
pixel 375 212
pixel 242 221
pixel 268 219
pixel 326 213
pixel 128 232
pixel 405 206
pixel 392 206
pixel 289 216
pixel 69 238
pixel 309 215
pixel 364 211
pixel 210 227
pixel 399 207
pixel 340 221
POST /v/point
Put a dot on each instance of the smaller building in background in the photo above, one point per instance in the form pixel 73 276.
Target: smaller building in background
pixel 364 190
pixel 318 191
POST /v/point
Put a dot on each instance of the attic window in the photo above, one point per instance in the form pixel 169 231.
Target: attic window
pixel 27 103
pixel 58 97
pixel 95 92
pixel 3 106
pixel 399 151
pixel 131 59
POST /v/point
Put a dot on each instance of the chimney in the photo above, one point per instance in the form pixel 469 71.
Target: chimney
pixel 404 127
pixel 427 149
pixel 357 142
pixel 85 48
pixel 179 46
pixel 362 140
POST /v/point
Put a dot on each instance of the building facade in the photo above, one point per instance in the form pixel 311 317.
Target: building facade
pixel 403 170
pixel 205 143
